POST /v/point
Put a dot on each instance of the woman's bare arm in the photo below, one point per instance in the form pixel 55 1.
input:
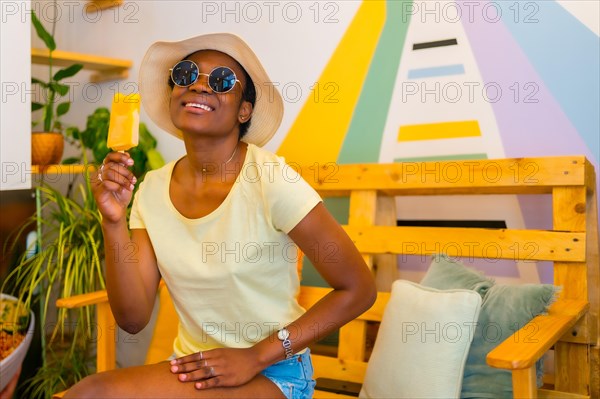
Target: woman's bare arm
pixel 132 274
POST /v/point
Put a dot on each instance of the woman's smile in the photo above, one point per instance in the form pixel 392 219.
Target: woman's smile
pixel 197 107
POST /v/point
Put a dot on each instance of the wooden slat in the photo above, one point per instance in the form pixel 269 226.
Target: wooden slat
pixel 308 296
pixel 495 176
pixel 77 301
pixel 353 336
pixel 547 394
pixel 61 169
pixel 572 370
pixel 579 333
pixel 339 369
pixel 590 176
pixel 352 340
pixel 470 242
pixel 586 330
pixel 524 383
pixel 595 371
pixel 107 68
pixel 593 274
pixel 66 58
pixel 106 344
pixel 93 6
pixel 329 395
pixel 385 266
pixel 311 295
pixel 165 328
pixel 572 374
pixel 522 349
pixel 569 208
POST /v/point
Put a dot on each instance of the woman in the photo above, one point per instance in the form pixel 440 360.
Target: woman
pixel 218 226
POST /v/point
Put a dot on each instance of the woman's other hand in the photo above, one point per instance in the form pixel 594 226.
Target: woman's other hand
pixel 113 186
pixel 223 367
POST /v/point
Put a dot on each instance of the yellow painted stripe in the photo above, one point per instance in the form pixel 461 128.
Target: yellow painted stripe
pixel 319 130
pixel 436 131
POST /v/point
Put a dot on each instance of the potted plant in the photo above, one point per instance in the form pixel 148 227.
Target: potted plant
pixel 47 145
pixel 16 333
pixel 69 261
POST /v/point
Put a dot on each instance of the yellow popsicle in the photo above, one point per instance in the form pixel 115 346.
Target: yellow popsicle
pixel 124 124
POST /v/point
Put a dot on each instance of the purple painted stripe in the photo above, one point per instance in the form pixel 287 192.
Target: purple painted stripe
pixel 527 128
pixel 533 126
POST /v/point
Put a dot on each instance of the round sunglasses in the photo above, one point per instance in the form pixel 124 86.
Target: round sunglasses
pixel 221 79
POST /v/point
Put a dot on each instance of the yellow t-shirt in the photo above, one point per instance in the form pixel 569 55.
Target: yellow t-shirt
pixel 232 273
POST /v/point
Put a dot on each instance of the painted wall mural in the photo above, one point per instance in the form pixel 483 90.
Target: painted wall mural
pixel 443 80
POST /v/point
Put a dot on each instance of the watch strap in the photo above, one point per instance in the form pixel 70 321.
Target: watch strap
pixel 284 337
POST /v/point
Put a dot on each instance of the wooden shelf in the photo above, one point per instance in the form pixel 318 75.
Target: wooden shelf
pixel 96 5
pixel 60 169
pixel 106 68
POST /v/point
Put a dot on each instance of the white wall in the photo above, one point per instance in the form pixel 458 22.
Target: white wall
pixel 295 59
pixel 15 108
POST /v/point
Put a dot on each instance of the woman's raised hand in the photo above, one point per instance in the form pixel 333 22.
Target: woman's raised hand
pixel 113 186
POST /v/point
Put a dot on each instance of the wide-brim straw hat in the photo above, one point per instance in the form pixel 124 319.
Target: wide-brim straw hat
pixel 156 93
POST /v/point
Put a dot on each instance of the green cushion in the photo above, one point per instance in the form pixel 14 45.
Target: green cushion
pixel 505 309
pixel 443 276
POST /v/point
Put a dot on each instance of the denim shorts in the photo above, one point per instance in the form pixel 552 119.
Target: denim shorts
pixel 294 376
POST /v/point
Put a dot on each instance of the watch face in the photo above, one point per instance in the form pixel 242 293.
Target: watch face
pixel 283 334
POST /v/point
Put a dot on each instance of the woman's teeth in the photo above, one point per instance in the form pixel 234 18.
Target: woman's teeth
pixel 201 106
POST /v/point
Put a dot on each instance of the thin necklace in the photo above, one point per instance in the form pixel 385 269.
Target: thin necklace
pixel 226 162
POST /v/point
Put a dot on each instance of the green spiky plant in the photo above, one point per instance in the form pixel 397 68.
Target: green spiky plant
pixel 68 261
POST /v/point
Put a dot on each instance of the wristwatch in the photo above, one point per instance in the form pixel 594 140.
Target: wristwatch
pixel 284 337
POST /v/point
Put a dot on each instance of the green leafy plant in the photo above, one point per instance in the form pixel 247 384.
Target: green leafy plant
pixel 95 135
pixel 53 88
pixel 68 262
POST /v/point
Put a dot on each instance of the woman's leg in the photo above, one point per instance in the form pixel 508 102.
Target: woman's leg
pixel 157 381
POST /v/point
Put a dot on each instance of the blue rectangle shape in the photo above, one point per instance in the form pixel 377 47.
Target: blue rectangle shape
pixel 445 70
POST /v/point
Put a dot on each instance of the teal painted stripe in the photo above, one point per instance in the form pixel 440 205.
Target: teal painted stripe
pixel 444 70
pixel 363 139
pixel 454 157
pixel 339 207
pixel 566 54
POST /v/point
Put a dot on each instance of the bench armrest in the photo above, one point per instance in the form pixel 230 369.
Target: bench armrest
pixel 105 356
pixel 93 298
pixel 526 346
pixel 77 301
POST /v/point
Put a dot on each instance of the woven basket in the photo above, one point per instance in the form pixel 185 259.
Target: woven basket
pixel 46 148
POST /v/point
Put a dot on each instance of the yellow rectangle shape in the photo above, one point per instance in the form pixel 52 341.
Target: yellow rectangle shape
pixel 437 131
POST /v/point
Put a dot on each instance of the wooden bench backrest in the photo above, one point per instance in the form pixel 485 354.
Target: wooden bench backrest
pixel 572 244
pixel 572 325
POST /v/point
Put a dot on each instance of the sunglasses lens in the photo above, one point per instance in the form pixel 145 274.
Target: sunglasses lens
pixel 222 79
pixel 184 73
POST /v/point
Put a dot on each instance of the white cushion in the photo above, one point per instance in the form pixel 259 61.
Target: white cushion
pixel 422 343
